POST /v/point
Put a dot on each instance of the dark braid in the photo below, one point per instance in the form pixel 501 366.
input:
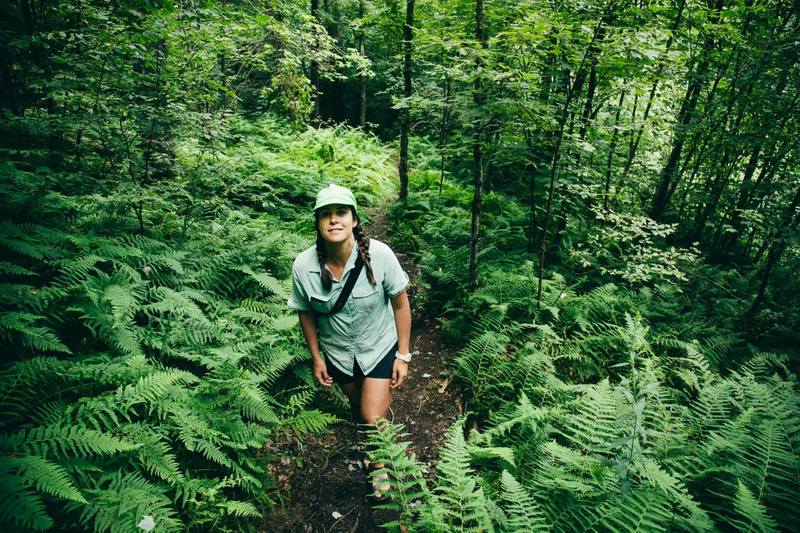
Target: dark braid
pixel 327 280
pixel 363 251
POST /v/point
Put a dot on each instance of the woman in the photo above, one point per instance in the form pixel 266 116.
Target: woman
pixel 358 335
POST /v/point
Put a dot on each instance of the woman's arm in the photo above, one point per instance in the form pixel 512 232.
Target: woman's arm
pixel 308 323
pixel 402 321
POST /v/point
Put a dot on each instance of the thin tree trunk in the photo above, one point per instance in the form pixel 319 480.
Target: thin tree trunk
pixel 572 89
pixel 443 131
pixel 611 149
pixel 776 250
pixel 477 156
pixel 408 35
pixel 587 105
pixel 685 116
pixel 362 79
pixel 314 75
pixel 634 145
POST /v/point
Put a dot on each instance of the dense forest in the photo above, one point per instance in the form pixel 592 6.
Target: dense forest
pixel 602 199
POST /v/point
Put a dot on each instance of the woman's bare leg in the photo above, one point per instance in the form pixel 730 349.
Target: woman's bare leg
pixel 353 392
pixel 375 398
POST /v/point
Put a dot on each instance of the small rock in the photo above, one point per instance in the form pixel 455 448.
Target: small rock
pixel 336 515
pixel 147 523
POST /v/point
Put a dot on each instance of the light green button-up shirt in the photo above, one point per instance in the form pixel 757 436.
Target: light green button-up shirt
pixel 364 329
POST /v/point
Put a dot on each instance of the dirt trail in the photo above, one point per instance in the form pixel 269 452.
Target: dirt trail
pixel 328 492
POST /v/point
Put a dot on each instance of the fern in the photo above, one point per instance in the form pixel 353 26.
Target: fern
pixel 22 328
pixel 240 509
pixel 523 512
pixel 641 510
pixel 751 514
pixel 118 502
pixel 65 442
pixel 465 504
pixel 407 485
pixel 21 506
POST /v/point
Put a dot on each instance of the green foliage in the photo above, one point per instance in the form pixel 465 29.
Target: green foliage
pixel 146 372
pixel 630 428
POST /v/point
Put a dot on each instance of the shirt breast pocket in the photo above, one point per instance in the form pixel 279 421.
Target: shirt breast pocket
pixel 367 298
pixel 321 303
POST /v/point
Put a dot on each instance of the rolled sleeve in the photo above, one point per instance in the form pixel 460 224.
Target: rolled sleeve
pixel 298 299
pixel 394 277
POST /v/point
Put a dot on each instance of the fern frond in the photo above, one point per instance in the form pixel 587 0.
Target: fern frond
pixel 149 389
pixel 698 520
pixel 640 510
pixel 750 513
pixel 22 506
pixel 266 281
pixel 45 476
pixel 592 423
pixel 23 328
pixel 65 441
pixel 240 509
pixel 7 267
pixel 465 505
pixel 522 511
pixel 386 445
pixel 311 422
pixel 118 502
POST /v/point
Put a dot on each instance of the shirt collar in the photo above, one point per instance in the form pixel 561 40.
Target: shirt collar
pixel 351 262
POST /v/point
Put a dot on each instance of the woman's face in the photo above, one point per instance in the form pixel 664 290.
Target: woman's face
pixel 336 222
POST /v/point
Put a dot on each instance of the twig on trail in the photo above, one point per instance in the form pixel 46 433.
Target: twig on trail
pixel 420 406
pixel 340 519
pixel 355 526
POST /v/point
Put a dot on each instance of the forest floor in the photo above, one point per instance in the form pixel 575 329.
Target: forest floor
pixel 322 488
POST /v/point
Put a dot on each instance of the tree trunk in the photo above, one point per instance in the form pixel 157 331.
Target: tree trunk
pixel 408 35
pixel 314 75
pixel 611 149
pixel 587 105
pixel 776 248
pixel 572 89
pixel 362 79
pixel 685 116
pixel 634 145
pixel 443 131
pixel 477 156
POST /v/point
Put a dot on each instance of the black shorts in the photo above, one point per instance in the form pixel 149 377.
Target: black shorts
pixel 383 370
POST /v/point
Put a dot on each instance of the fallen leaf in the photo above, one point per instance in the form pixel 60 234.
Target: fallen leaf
pixel 426 375
pixel 336 515
pixel 445 383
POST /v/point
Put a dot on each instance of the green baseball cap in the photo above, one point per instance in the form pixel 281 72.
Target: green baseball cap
pixel 335 194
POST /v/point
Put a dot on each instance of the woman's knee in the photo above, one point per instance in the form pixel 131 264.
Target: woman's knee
pixel 370 416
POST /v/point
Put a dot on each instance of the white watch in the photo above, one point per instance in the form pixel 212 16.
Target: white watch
pixel 403 356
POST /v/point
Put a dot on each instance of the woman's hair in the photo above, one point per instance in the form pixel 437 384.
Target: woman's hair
pixel 363 251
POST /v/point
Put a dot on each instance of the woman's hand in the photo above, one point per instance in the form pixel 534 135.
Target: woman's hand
pixel 399 373
pixel 321 373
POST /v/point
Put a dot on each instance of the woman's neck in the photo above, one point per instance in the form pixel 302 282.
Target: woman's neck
pixel 338 253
